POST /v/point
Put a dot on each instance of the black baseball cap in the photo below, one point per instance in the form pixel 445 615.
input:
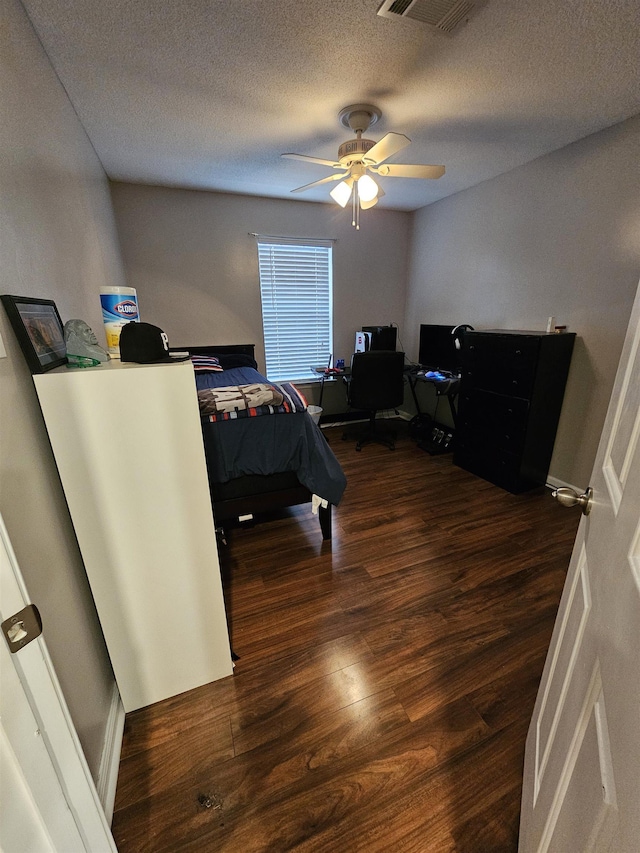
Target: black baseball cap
pixel 145 344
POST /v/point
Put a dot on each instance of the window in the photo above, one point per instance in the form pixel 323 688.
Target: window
pixel 296 290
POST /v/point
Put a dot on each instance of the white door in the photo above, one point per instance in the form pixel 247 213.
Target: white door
pixel 35 816
pixel 581 787
pixel 47 796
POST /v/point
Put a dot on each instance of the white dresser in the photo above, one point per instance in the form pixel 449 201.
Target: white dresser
pixel 128 446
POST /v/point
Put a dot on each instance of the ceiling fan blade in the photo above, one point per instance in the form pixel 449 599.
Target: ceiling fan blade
pixel 321 181
pixel 318 160
pixel 388 145
pixel 395 170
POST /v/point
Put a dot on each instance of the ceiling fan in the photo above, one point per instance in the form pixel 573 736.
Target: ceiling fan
pixel 359 157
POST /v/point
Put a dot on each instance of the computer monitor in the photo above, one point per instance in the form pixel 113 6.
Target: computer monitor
pixel 382 337
pixel 437 348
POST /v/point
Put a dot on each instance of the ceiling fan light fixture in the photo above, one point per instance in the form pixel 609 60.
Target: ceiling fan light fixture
pixel 342 193
pixel 366 205
pixel 367 189
pixel 358 157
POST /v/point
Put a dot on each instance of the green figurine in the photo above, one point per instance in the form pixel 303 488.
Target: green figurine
pixel 83 349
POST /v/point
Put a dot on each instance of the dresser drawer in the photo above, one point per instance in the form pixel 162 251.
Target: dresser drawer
pixel 488 349
pixel 502 364
pixel 491 419
pixel 497 466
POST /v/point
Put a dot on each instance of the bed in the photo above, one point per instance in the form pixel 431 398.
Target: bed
pixel 259 463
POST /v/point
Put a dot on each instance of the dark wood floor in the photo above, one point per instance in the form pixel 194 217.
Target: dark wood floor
pixel 385 681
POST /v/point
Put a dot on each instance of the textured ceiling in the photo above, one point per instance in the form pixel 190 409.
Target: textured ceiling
pixel 202 93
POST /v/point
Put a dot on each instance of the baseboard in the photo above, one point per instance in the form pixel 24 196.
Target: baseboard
pixel 555 483
pixel 110 761
pixel 343 418
pixel 340 418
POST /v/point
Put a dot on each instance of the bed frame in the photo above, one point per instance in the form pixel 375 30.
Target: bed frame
pixel 255 494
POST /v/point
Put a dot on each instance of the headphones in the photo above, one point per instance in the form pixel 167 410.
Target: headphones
pixel 458 333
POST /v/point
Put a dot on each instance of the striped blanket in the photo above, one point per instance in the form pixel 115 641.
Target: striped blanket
pixel 249 401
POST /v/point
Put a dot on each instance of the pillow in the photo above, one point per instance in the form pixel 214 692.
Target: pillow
pixel 206 364
pixel 228 360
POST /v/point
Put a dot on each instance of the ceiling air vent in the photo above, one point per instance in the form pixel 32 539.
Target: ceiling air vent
pixel 444 15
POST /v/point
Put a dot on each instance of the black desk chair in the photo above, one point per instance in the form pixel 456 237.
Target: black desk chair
pixel 376 383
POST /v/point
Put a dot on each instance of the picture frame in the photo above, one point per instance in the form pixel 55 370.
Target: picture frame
pixel 39 331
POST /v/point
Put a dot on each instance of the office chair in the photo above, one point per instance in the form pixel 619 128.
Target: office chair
pixel 376 382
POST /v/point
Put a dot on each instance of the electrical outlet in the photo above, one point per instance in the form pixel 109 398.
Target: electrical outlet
pixel 3 352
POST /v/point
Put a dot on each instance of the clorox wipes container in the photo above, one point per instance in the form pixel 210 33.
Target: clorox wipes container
pixel 119 306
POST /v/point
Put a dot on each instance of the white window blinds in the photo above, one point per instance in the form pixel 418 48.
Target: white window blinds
pixel 296 291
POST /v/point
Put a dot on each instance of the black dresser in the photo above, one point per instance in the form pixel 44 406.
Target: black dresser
pixel 509 405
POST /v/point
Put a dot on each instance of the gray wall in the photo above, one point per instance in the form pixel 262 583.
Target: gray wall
pixel 195 267
pixel 561 237
pixel 57 241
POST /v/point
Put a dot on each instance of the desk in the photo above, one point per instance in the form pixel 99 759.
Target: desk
pixel 325 374
pixel 439 438
pixel 447 387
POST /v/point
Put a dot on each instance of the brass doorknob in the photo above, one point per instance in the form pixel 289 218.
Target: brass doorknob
pixel 569 497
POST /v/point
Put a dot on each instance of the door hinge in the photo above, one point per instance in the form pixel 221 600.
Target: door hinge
pixel 22 627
